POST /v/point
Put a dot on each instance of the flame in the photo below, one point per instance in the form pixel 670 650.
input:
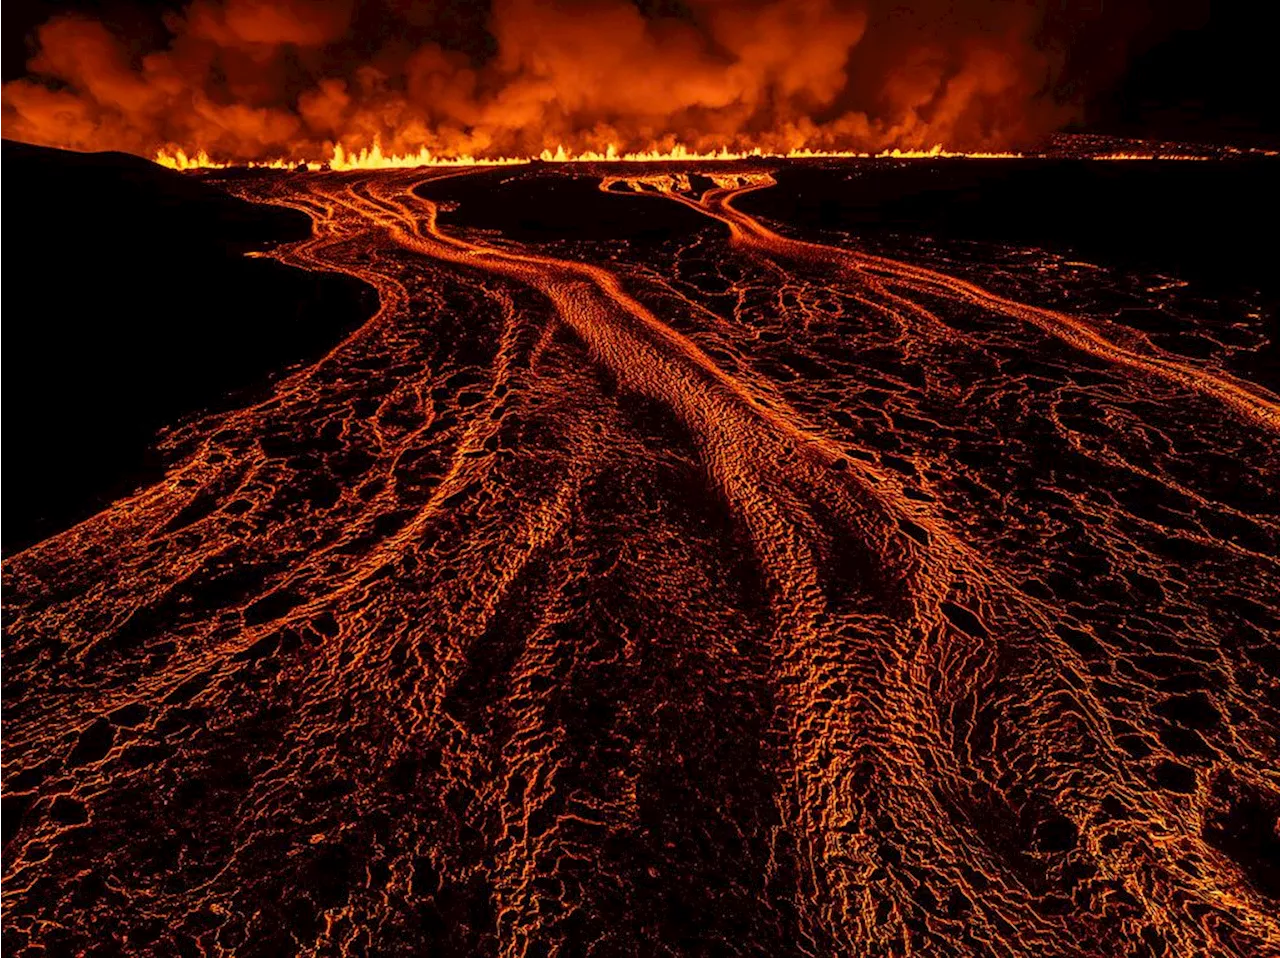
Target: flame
pixel 938 152
pixel 1148 156
pixel 179 159
pixel 373 158
pixel 285 84
pixel 248 80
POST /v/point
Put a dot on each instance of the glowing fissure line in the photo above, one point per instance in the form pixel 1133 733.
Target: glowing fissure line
pixel 1147 156
pixel 177 158
pixel 374 158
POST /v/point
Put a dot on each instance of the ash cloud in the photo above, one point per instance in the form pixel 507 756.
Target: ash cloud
pixel 250 79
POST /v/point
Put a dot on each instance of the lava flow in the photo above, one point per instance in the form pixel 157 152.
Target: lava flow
pixel 884 274
pixel 724 593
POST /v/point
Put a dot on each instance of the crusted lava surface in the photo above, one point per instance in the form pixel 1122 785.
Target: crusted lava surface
pixel 656 574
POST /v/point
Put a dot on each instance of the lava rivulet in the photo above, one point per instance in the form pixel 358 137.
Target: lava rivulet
pixel 749 233
pixel 753 595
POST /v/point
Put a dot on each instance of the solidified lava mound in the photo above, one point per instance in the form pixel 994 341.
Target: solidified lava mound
pixel 693 583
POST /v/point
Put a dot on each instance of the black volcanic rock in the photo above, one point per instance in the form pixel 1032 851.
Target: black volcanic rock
pixel 130 304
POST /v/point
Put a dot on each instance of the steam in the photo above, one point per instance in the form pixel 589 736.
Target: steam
pixel 255 79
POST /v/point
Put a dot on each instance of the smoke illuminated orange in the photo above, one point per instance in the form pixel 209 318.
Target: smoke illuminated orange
pixel 273 81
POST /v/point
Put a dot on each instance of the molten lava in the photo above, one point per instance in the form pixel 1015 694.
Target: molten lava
pixel 729 592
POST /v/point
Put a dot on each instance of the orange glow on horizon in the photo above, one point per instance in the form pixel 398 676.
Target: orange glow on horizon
pixel 1148 156
pixel 375 159
pixel 179 159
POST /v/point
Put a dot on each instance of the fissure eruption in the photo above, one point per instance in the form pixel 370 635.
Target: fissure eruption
pixel 281 80
pixel 780 501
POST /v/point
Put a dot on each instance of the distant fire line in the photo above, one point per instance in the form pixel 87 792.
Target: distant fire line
pixel 374 158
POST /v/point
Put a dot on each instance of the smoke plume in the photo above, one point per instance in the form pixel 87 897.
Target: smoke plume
pixel 252 79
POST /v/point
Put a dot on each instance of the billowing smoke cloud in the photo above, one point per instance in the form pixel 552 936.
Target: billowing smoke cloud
pixel 248 79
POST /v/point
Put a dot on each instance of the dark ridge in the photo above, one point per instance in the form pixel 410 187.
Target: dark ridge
pixel 130 304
